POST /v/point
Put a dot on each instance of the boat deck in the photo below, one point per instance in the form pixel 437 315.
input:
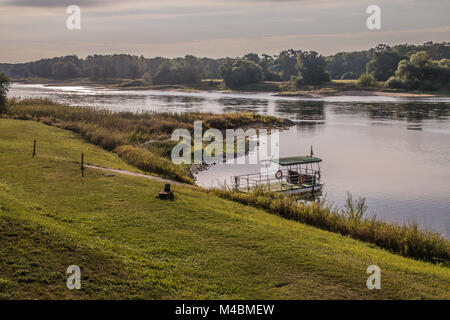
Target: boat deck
pixel 295 175
pixel 284 187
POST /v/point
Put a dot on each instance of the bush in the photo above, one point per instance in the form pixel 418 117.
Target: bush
pixel 4 87
pixel 149 162
pixel 411 84
pixel 354 209
pixel 428 85
pixel 394 83
pixel 406 240
pixel 349 76
pixel 367 80
pixel 297 81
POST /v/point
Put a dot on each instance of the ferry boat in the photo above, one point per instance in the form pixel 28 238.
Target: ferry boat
pixel 295 175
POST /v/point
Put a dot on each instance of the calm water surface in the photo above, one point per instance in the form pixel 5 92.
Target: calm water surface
pixel 395 152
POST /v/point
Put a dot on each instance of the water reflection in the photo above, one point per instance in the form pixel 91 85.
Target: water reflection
pixel 408 111
pixel 301 110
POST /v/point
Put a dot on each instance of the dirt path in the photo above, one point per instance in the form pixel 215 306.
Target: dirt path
pixel 135 174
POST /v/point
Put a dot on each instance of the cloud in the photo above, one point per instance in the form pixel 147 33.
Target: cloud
pixel 56 3
pixel 37 28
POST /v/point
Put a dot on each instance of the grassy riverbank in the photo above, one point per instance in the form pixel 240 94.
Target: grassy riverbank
pixel 407 240
pixel 129 244
pixel 143 141
pixel 145 135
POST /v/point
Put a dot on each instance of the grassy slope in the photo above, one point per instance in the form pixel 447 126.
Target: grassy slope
pixel 129 244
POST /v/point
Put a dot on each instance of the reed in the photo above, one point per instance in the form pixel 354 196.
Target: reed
pixel 406 240
pixel 149 162
pixel 148 131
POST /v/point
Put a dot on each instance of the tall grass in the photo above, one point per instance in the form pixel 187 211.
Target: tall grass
pixel 150 162
pixel 406 240
pixel 148 131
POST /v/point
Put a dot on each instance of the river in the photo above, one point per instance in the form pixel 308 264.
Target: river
pixel 395 152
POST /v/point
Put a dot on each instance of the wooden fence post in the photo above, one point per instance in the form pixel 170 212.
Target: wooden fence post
pixel 34 148
pixel 82 165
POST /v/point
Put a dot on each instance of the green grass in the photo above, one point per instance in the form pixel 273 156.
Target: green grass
pixel 148 131
pixel 129 244
pixel 407 240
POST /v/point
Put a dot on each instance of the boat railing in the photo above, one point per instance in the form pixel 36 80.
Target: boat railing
pixel 271 181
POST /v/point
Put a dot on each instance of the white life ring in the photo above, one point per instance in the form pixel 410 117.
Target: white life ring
pixel 301 179
pixel 279 174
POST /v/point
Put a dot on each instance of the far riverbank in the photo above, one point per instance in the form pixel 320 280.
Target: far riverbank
pixel 333 88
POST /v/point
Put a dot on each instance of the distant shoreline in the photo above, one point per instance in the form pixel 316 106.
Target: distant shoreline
pixel 334 88
pixel 359 93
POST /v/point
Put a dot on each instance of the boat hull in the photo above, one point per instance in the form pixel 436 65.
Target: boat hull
pixel 313 189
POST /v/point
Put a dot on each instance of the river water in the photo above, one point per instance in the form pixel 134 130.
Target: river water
pixel 395 152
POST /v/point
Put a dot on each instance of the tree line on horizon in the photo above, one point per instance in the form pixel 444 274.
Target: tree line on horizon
pixel 406 66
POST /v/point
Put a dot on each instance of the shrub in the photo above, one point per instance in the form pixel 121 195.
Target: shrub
pixel 406 240
pixel 428 85
pixel 411 84
pixel 149 162
pixel 349 76
pixel 297 81
pixel 367 80
pixel 394 82
pixel 354 209
pixel 4 87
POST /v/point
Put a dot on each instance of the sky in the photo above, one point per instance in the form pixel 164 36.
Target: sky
pixel 35 29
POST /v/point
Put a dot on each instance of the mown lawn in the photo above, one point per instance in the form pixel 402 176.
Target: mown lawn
pixel 129 244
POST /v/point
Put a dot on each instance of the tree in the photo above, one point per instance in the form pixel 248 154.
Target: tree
pixel 252 57
pixel 381 61
pixel 192 70
pixel 367 80
pixel 287 61
pixel 421 72
pixel 166 73
pixel 4 87
pixel 180 71
pixel 211 68
pixel 147 77
pixel 241 72
pixel 385 62
pixel 65 70
pixel 267 63
pixel 312 67
pixel 347 65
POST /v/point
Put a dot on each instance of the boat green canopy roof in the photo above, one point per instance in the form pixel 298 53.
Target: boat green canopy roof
pixel 296 160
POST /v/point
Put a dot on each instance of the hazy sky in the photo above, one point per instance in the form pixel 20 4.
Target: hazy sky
pixel 33 29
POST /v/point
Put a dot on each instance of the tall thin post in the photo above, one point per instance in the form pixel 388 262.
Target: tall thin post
pixel 34 148
pixel 82 165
